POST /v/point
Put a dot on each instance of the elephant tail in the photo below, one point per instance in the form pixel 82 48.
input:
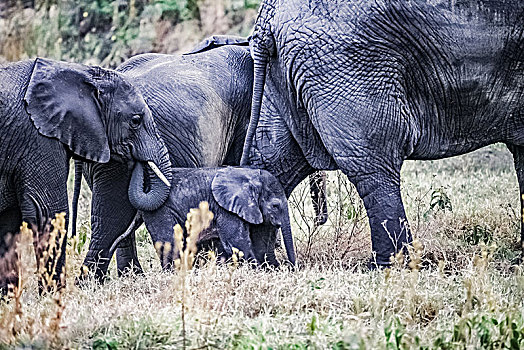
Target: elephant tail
pixel 137 221
pixel 76 195
pixel 288 237
pixel 260 60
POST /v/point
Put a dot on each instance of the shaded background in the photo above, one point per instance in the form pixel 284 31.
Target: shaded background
pixel 107 32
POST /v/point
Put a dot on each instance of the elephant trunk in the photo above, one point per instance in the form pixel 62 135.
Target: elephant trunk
pixel 261 60
pixel 288 237
pixel 150 184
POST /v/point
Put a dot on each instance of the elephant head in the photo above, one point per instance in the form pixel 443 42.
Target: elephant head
pixel 258 198
pixel 97 114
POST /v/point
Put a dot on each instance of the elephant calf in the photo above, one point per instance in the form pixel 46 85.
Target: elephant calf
pixel 249 205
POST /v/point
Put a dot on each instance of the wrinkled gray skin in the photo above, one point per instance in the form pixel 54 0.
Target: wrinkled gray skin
pixel 201 106
pixel 201 103
pixel 369 84
pixel 249 206
pixel 50 111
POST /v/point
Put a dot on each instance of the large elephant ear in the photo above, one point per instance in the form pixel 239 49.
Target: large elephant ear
pixel 63 103
pixel 237 190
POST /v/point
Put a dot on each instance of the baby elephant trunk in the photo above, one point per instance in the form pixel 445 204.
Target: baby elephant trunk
pixel 287 236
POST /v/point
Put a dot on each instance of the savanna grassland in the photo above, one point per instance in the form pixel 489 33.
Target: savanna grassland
pixel 460 291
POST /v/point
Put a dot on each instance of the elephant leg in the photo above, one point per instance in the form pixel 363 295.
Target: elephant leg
pixel 38 211
pixel 111 215
pixel 518 158
pixel 234 233
pixel 126 254
pixel 263 241
pixel 10 222
pixel 380 191
pixel 317 185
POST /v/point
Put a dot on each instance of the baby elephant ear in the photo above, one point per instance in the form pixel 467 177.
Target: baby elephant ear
pixel 63 104
pixel 237 190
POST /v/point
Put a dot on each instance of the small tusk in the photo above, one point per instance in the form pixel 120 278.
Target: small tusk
pixel 158 173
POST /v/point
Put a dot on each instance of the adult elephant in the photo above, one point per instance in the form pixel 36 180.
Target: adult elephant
pixel 50 111
pixel 368 84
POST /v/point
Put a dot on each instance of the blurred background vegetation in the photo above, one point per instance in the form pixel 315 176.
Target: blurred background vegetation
pixel 106 32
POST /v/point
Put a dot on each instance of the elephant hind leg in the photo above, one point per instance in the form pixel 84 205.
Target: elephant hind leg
pixel 379 188
pixel 518 158
pixel 317 186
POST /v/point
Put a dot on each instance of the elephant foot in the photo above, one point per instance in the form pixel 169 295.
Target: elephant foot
pixel 375 265
pixel 6 282
pixel 93 269
pixel 321 219
pixel 517 261
pixel 131 269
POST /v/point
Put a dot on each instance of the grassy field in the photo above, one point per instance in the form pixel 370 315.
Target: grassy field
pixel 464 293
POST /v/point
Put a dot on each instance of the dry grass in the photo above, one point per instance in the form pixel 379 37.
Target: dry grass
pixel 465 296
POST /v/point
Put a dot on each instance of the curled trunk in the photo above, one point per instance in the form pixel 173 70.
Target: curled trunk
pixel 147 191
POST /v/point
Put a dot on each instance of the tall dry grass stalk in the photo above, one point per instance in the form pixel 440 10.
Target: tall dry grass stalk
pixel 14 320
pixel 198 219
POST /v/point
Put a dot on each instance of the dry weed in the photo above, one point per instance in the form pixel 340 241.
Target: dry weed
pixel 18 321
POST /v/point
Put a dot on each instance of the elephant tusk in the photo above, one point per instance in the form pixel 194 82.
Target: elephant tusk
pixel 158 173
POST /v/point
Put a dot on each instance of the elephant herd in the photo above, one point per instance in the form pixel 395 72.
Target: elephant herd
pixel 358 85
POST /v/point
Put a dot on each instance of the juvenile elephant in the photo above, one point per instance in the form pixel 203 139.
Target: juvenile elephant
pixel 201 103
pixel 362 85
pixel 51 111
pixel 249 206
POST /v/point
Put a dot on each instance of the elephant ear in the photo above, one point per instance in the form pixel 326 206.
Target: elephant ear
pixel 238 190
pixel 63 103
pixel 215 41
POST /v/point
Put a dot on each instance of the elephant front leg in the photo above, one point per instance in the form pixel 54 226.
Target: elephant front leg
pixel 518 158
pixel 390 232
pixel 263 241
pixel 127 256
pixel 10 221
pixel 111 215
pixel 49 237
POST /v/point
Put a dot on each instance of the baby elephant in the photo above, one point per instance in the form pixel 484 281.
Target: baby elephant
pixel 249 206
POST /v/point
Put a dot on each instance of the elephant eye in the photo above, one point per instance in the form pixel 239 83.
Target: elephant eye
pixel 136 120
